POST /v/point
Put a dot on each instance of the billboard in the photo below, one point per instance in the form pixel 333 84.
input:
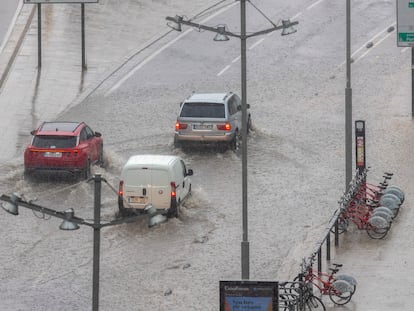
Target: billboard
pixel 405 23
pixel 249 296
pixel 60 1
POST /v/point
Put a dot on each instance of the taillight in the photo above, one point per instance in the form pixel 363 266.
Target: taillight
pixel 121 188
pixel 173 190
pixel 180 126
pixel 224 127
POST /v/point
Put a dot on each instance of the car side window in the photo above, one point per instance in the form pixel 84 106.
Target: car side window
pixel 89 133
pixel 83 135
pixel 232 106
pixel 238 102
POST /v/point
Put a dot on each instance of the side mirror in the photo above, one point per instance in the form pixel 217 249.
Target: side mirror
pixel 33 132
pixel 97 134
pixel 181 103
pixel 189 172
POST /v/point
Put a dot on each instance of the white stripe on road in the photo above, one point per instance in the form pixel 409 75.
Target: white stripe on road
pixel 369 50
pixel 149 58
pixel 314 4
pixel 223 70
pixel 256 44
pixel 370 40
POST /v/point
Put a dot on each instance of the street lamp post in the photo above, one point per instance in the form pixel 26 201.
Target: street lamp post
pixel 348 101
pixel 245 250
pixel 71 222
pixel 223 33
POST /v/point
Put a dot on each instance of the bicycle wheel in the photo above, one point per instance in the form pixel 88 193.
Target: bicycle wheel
pixel 350 279
pixel 314 303
pixel 343 224
pixel 341 292
pixel 377 227
pixel 397 191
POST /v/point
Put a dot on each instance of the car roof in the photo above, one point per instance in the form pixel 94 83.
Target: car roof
pixel 59 128
pixel 151 160
pixel 208 97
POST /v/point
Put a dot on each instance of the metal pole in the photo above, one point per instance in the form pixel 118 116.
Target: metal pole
pixel 96 243
pixel 245 243
pixel 83 36
pixel 348 101
pixel 328 247
pixel 39 35
pixel 412 82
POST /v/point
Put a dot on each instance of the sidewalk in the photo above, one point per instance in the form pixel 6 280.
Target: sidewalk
pixel 382 268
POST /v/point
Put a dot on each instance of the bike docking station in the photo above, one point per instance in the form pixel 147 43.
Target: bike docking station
pixel 370 207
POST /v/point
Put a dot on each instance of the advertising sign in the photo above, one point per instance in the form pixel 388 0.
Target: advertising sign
pixel 60 1
pixel 248 296
pixel 405 23
pixel 360 145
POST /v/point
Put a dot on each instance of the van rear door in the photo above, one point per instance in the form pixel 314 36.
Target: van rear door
pixel 147 185
pixel 160 188
pixel 136 187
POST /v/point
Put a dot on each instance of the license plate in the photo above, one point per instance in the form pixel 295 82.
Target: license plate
pixel 137 200
pixel 203 126
pixel 52 154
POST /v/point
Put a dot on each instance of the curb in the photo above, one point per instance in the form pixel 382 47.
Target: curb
pixel 15 41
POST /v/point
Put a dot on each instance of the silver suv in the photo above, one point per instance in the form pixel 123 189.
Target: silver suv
pixel 210 118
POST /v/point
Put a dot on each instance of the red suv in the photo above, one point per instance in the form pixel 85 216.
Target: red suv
pixel 63 147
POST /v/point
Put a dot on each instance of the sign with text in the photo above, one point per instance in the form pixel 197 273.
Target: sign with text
pixel 405 23
pixel 60 1
pixel 249 296
pixel 360 161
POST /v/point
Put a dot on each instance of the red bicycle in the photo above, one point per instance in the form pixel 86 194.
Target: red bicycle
pixel 376 223
pixel 340 288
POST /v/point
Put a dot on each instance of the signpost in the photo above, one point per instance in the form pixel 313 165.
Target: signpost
pixel 39 25
pixel 360 153
pixel 405 23
pixel 405 35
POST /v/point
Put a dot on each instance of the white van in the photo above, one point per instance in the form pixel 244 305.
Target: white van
pixel 160 180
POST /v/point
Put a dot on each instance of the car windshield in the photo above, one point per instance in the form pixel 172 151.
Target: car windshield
pixel 54 141
pixel 203 110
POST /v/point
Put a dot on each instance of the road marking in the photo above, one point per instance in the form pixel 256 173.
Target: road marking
pixel 296 16
pixel 149 58
pixel 256 44
pixel 223 70
pixel 236 59
pixel 404 49
pixel 314 4
pixel 369 50
pixel 370 40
